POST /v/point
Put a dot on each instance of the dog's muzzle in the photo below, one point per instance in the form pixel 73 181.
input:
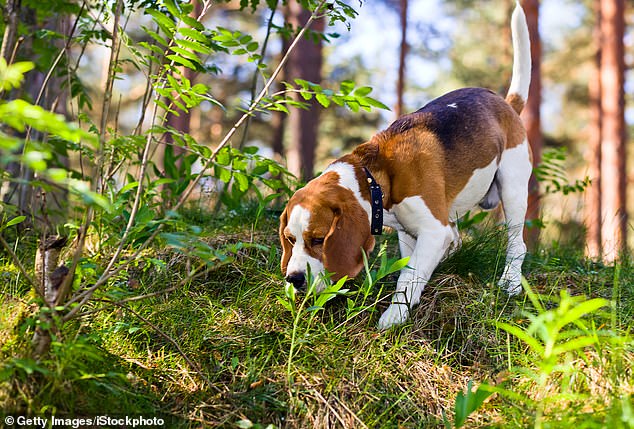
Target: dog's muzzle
pixel 297 279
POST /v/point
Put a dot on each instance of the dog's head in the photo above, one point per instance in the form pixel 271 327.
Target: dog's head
pixel 325 228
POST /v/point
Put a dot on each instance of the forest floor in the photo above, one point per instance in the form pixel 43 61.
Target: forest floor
pixel 231 348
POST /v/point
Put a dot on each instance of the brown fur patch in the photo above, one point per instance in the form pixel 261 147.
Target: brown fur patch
pixel 338 219
pixel 437 148
pixel 516 101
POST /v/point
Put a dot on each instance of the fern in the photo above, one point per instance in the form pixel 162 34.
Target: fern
pixel 552 172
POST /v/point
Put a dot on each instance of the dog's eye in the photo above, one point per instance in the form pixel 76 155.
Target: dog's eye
pixel 291 240
pixel 317 241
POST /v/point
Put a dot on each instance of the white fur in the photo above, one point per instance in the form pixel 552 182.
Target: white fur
pixel 426 239
pixel 513 175
pixel 348 179
pixel 474 190
pixel 520 82
pixel 298 223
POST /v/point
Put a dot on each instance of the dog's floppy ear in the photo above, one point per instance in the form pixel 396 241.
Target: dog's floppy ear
pixel 348 235
pixel 287 249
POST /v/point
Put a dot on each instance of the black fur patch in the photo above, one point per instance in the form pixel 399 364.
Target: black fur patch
pixel 451 117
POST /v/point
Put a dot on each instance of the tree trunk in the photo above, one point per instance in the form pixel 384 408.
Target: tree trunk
pixel 304 63
pixel 531 116
pixel 10 12
pixel 613 173
pixel 400 84
pixel 592 216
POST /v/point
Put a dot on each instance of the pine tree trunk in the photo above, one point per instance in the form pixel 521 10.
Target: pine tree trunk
pixel 400 84
pixel 304 63
pixel 531 116
pixel 613 173
pixel 593 192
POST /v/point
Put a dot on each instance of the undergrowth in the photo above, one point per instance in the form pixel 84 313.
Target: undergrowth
pixel 213 350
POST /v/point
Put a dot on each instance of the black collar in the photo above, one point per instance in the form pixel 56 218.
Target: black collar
pixel 376 200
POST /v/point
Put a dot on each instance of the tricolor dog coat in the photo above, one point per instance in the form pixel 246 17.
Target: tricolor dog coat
pixel 426 170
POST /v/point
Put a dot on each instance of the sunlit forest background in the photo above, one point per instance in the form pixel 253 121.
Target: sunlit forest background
pixel 448 45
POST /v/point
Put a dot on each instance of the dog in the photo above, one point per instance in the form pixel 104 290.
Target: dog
pixel 419 176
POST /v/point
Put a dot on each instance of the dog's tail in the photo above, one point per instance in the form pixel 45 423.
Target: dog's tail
pixel 521 80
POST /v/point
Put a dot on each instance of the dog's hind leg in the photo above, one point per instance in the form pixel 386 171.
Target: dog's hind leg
pixel 513 175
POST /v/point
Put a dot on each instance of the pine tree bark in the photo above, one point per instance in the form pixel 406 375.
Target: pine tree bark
pixel 305 63
pixel 400 84
pixel 592 215
pixel 613 137
pixel 532 118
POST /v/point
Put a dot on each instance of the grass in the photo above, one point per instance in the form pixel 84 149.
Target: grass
pixel 215 351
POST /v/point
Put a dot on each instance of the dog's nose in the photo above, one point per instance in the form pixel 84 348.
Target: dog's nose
pixel 297 279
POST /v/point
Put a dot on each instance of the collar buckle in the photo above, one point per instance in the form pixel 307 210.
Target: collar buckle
pixel 376 201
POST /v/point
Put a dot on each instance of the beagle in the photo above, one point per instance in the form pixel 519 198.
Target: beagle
pixel 419 176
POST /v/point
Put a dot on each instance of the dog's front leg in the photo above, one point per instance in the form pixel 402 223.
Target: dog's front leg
pixel 429 248
pixel 406 244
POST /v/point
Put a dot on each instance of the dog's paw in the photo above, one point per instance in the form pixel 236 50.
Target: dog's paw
pixel 395 314
pixel 511 283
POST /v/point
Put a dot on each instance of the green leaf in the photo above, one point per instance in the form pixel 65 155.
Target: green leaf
pixel 193 34
pixel 12 76
pixel 323 100
pixel 575 344
pixel 284 303
pixel 186 54
pixel 16 220
pixel 223 158
pixel 128 187
pixel 157 38
pixel 9 143
pixel 163 21
pixel 523 336
pixel 582 309
pixel 242 181
pixel 362 91
pixel 346 87
pixel 194 46
pixel 172 8
pixel 374 103
pixel 182 61
pixel 398 265
pixel 467 403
